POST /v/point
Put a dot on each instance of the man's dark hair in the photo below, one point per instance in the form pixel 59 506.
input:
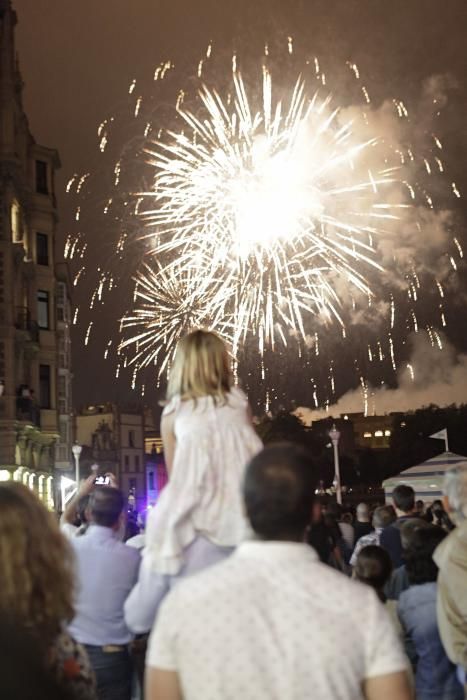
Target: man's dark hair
pixel 279 491
pixel 373 567
pixel 404 498
pixel 106 505
pixel 419 556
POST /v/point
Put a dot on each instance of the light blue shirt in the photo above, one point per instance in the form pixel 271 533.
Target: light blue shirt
pixel 106 572
pixel 142 605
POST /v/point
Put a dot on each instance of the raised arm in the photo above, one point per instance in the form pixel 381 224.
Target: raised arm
pixel 71 511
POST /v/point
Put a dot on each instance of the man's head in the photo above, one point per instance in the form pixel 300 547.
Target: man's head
pixel 419 507
pixel 404 499
pixel 419 556
pixel 383 516
pixel 363 513
pixel 455 490
pixel 279 491
pixel 408 530
pixel 373 567
pixel 106 506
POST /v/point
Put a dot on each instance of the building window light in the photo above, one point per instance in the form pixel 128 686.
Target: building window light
pixel 5 475
pixel 387 433
pixel 378 433
pixel 367 435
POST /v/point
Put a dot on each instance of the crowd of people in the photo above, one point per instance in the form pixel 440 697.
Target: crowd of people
pixel 244 583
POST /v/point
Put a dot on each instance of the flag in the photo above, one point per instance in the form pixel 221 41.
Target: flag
pixel 440 435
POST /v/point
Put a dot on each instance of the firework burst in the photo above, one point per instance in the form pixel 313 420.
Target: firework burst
pixel 273 215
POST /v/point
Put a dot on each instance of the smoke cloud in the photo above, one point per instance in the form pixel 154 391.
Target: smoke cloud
pixel 431 376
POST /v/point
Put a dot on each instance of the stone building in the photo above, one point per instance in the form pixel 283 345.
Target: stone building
pixel 30 322
pixel 113 438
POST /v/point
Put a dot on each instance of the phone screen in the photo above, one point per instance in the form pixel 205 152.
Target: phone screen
pixel 102 480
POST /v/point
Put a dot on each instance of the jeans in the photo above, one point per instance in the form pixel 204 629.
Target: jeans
pixel 113 673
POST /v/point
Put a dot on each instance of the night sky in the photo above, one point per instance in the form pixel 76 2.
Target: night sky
pixel 77 60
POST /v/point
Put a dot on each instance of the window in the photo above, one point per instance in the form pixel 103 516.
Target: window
pixel 387 433
pixel 367 435
pixel 44 386
pixel 136 463
pixel 131 438
pixel 42 249
pixel 378 433
pixel 151 481
pixel 43 309
pixel 127 461
pixel 41 177
pixel 132 483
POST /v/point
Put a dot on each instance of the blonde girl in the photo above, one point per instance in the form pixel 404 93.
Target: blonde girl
pixel 208 440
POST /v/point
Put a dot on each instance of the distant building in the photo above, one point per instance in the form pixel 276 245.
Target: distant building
pixel 64 373
pixel 29 312
pixel 358 432
pixel 113 438
pixel 372 432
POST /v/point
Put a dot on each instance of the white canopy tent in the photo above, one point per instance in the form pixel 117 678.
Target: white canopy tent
pixel 426 478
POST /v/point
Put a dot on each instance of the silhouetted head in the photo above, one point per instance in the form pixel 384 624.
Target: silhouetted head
pixel 279 489
pixel 419 555
pixel 404 499
pixel 373 567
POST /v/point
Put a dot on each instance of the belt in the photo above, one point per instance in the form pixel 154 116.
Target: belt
pixel 109 648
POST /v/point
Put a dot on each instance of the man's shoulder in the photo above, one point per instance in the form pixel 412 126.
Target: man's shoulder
pixel 118 549
pixel 237 575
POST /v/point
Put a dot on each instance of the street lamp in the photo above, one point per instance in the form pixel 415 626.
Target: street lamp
pixel 76 449
pixel 334 434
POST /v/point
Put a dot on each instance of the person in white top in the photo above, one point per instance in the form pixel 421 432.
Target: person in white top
pixel 208 439
pixel 272 622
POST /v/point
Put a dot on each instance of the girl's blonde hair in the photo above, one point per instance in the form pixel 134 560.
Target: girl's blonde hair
pixel 36 568
pixel 201 368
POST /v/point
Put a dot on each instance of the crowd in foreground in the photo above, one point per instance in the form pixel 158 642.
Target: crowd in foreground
pixel 243 584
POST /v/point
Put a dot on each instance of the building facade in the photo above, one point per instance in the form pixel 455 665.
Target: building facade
pixel 113 438
pixel 29 424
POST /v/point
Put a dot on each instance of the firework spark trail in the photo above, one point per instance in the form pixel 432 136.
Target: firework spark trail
pixel 274 200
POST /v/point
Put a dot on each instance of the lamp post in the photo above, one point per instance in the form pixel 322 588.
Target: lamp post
pixel 76 449
pixel 334 434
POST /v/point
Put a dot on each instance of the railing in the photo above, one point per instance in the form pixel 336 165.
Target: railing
pixel 23 322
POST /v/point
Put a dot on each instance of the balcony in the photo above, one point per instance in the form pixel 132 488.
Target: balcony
pixel 27 411
pixel 28 329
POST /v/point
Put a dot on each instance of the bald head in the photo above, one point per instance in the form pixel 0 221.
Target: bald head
pixel 279 491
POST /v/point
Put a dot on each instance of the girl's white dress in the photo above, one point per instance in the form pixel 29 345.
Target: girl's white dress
pixel 214 443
